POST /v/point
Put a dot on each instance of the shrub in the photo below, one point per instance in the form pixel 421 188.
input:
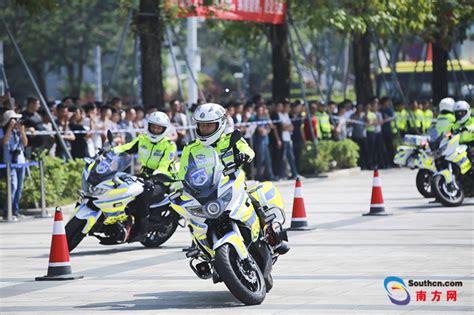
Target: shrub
pixel 318 158
pixel 61 180
pixel 345 153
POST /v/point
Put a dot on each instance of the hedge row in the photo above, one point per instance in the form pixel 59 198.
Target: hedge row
pixel 327 155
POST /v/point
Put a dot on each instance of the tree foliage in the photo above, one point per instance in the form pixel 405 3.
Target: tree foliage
pixel 60 37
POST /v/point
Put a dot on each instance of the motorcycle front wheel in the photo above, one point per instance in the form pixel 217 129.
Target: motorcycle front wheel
pixel 74 232
pixel 244 280
pixel 447 194
pixel 160 228
pixel 423 183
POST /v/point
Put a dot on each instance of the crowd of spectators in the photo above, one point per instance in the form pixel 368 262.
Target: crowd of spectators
pixel 277 130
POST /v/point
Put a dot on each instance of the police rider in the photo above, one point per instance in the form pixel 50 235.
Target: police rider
pixel 445 119
pixel 464 122
pixel 156 153
pixel 211 121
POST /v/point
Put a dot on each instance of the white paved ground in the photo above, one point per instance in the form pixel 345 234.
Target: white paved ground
pixel 339 267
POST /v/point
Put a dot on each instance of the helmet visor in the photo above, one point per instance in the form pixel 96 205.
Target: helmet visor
pixel 460 114
pixel 156 129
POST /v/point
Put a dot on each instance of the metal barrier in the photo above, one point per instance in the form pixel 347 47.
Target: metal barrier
pixel 9 167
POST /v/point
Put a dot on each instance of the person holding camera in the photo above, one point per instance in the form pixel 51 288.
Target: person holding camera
pixel 14 142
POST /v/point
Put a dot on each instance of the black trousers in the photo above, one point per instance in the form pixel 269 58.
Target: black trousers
pixel 388 139
pixel 363 152
pixel 152 193
pixel 376 150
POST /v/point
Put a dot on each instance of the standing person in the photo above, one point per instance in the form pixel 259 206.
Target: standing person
pixel 332 112
pixel 230 112
pixel 261 144
pixel 427 115
pixel 14 141
pixel 90 122
pixel 313 107
pixel 119 137
pixel 359 135
pixel 400 124
pixel 324 122
pixel 248 115
pixel 388 116
pixel 62 121
pixel 380 150
pixel 276 145
pixel 415 118
pixel 140 120
pixel 104 123
pixel 371 123
pixel 298 136
pixel 126 124
pixel 341 125
pixel 287 130
pixel 33 122
pixel 116 104
pixel 79 146
pixel 181 122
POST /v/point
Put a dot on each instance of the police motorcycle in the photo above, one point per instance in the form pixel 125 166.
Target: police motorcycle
pixel 455 178
pixel 107 200
pixel 235 239
pixel 416 153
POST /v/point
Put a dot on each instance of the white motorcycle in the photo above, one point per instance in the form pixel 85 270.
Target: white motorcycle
pixel 235 239
pixel 107 200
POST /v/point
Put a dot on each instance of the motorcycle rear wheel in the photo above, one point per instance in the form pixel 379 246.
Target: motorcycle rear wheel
pixel 165 225
pixel 423 183
pixel 227 265
pixel 440 189
pixel 74 232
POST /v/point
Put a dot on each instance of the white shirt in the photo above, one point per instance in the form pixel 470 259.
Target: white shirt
pixel 285 120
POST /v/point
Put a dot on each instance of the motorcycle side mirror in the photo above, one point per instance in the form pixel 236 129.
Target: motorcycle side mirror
pixel 110 137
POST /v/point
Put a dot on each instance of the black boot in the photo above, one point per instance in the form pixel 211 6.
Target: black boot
pixel 282 248
pixel 139 230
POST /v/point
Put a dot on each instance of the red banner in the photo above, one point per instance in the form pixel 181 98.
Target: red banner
pixel 265 11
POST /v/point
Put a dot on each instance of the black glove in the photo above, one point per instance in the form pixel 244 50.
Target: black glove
pixel 241 158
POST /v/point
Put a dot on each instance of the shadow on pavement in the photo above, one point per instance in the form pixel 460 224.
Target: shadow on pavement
pixel 171 300
pixel 435 205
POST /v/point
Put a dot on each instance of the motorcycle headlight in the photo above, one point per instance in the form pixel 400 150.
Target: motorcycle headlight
pixel 213 209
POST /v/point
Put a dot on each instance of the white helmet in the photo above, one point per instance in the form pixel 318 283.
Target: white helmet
pixel 159 119
pixel 462 111
pixel 446 104
pixel 210 113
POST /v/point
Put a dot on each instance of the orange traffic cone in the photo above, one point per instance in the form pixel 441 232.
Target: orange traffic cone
pixel 59 267
pixel 298 218
pixel 376 203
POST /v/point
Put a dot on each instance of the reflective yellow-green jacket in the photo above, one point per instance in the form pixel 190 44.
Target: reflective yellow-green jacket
pixel 444 122
pixel 324 124
pixel 416 121
pixel 154 157
pixel 401 118
pixel 467 135
pixel 221 145
pixel 427 119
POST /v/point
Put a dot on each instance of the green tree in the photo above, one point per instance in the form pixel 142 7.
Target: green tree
pixel 363 19
pixel 56 36
pixel 446 25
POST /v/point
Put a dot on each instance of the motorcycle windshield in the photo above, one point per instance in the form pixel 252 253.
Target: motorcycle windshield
pixel 435 138
pixel 106 166
pixel 203 173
